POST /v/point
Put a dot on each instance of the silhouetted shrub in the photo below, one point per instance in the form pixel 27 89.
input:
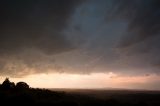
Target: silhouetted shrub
pixel 6 85
pixel 22 85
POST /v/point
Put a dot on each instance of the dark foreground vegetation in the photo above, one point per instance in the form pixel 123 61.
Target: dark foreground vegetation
pixel 22 94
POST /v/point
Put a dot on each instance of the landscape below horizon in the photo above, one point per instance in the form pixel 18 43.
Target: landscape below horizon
pixel 20 93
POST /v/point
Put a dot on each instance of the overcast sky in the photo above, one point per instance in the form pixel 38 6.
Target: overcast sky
pixel 80 37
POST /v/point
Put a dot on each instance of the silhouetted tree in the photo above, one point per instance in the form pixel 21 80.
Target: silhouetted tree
pixel 22 85
pixel 7 84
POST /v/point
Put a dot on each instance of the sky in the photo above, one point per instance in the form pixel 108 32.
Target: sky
pixel 81 43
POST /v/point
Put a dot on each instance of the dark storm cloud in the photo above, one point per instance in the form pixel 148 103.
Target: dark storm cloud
pixel 143 17
pixel 99 35
pixel 141 40
pixel 117 35
pixel 34 24
pixel 27 26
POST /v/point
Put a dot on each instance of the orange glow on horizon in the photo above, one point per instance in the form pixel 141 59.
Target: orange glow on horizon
pixel 94 80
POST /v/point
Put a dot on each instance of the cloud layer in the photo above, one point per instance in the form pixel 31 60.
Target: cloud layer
pixel 83 36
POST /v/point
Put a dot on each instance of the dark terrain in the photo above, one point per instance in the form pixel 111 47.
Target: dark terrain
pixel 22 94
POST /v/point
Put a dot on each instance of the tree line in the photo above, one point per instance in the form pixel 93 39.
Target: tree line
pixel 8 85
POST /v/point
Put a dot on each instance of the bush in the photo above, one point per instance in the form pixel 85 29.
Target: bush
pixel 22 85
